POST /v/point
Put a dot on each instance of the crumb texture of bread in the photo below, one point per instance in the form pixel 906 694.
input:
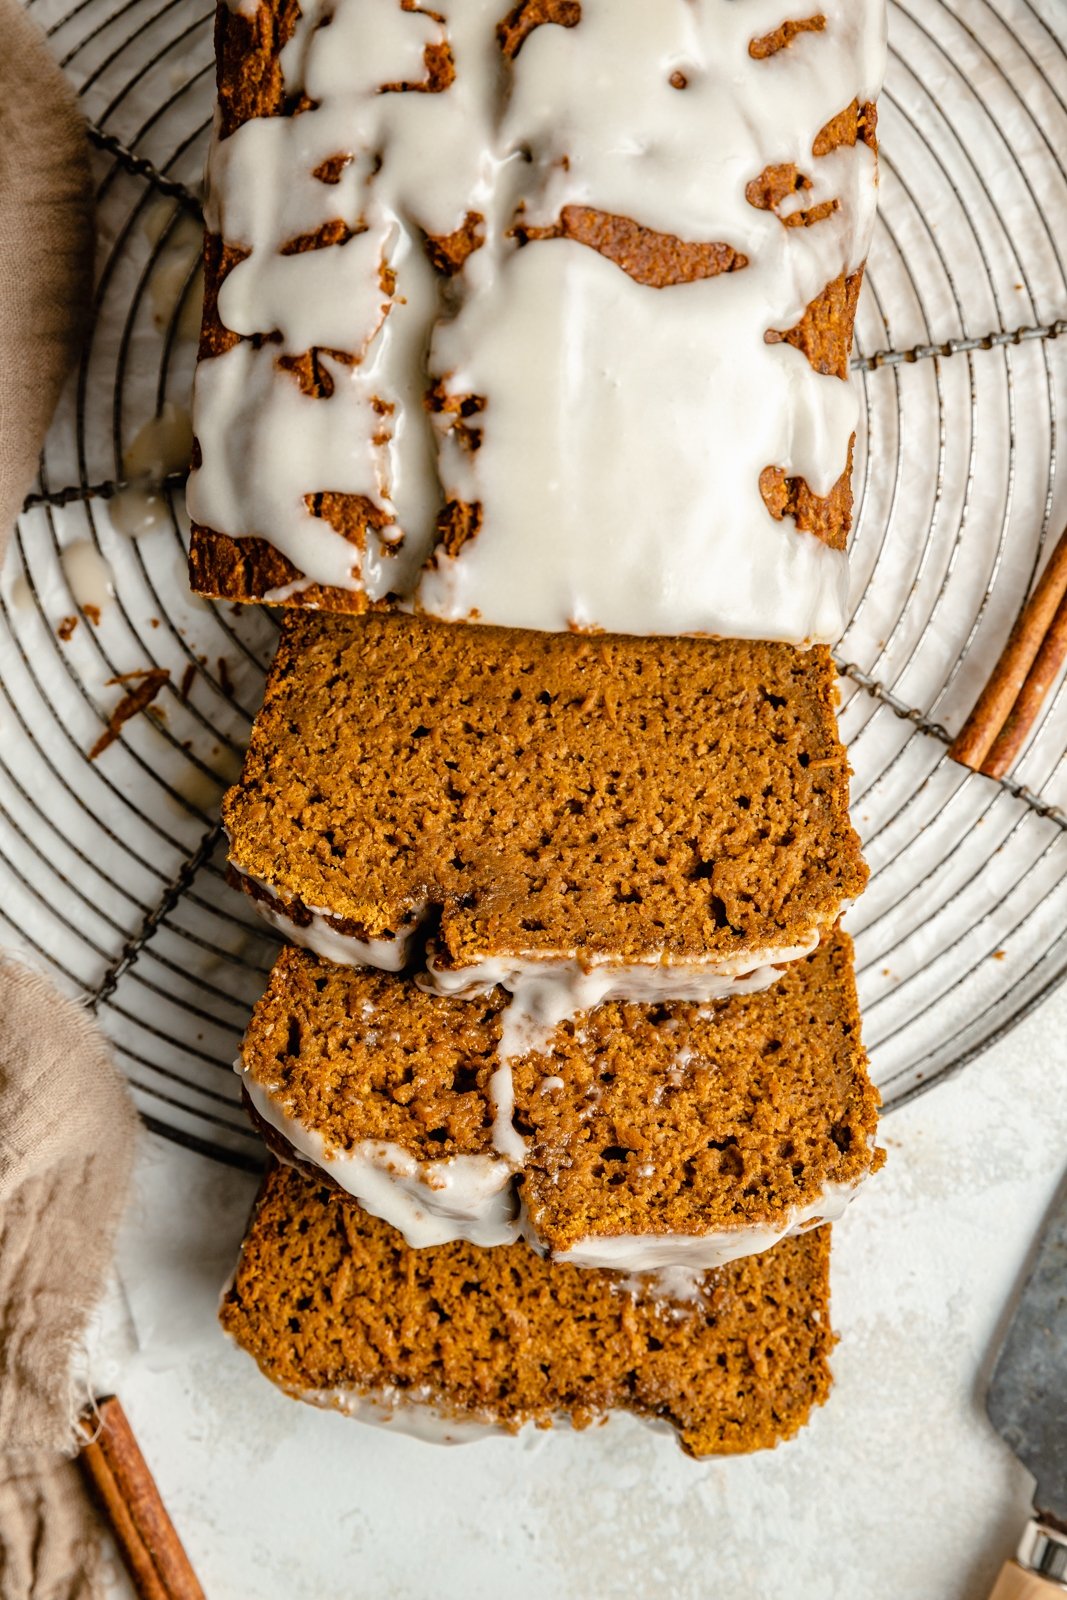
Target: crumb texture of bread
pixel 356 1054
pixel 538 793
pixel 670 1119
pixel 680 1119
pixel 331 1303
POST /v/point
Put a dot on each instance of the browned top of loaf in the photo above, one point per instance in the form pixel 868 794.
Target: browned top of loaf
pixel 549 793
pixel 326 1298
pixel 250 85
pixel 669 1118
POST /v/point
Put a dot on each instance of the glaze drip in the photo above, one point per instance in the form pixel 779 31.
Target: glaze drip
pixel 414 226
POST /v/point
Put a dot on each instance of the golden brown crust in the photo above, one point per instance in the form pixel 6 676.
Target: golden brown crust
pixel 549 792
pixel 819 334
pixel 440 71
pixel 770 189
pixel 856 124
pixel 326 1298
pixel 335 232
pixel 246 570
pixel 247 60
pixel 219 259
pixel 769 44
pixel 658 260
pixel 331 170
pixel 448 251
pixel 513 32
pixel 457 522
pixel 827 516
pixel 777 184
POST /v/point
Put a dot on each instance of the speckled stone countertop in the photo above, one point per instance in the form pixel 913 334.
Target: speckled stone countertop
pixel 898 1488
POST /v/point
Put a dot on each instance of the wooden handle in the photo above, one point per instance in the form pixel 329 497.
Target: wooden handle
pixel 1015 1583
pixel 127 1494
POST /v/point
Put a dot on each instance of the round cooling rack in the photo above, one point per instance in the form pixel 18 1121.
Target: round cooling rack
pixel 111 867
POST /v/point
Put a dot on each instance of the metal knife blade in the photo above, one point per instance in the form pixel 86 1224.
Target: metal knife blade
pixel 1027 1399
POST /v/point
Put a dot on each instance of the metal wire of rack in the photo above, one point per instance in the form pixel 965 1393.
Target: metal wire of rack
pixel 113 868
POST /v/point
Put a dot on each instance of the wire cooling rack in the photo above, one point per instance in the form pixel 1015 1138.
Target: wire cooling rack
pixel 111 871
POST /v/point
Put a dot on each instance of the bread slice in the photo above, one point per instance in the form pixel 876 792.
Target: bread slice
pixel 644 1137
pixel 453 1342
pixel 588 818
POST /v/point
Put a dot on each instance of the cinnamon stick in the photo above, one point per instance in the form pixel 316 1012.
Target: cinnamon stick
pixel 973 743
pixel 1031 697
pixel 126 1492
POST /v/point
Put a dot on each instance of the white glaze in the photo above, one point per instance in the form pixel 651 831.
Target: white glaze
pixel 163 445
pixel 683 1287
pixel 595 516
pixel 672 1256
pixel 136 510
pixel 21 595
pixel 323 939
pixel 269 446
pixel 265 445
pixel 624 427
pixel 413 1413
pixel 87 573
pixel 547 990
pixel 430 1202
pixel 172 277
pixel 407 1411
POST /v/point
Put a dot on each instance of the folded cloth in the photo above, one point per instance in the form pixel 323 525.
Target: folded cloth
pixel 67 1135
pixel 67 1125
pixel 46 248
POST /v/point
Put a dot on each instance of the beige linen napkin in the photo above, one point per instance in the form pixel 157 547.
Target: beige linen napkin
pixel 67 1125
pixel 45 248
pixel 67 1133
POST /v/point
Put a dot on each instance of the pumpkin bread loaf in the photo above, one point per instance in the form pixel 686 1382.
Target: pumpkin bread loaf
pixel 241 564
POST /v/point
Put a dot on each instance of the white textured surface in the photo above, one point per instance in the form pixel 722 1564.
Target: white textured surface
pixel 898 1488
